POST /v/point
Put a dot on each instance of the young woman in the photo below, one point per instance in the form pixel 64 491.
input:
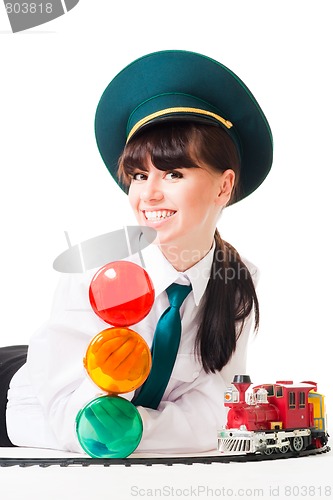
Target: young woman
pixel 185 138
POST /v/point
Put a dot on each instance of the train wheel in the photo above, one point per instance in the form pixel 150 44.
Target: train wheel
pixel 269 451
pixel 297 443
pixel 284 449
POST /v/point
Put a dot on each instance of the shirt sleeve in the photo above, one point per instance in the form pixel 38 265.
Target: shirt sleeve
pixel 55 359
pixel 189 420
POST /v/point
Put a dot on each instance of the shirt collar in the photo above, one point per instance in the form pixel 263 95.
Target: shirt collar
pixel 163 274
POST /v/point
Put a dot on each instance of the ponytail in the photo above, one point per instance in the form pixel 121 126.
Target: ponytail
pixel 229 299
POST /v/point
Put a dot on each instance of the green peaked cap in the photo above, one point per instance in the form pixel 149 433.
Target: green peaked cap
pixel 182 85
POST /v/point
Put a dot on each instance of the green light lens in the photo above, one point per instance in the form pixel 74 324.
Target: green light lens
pixel 109 427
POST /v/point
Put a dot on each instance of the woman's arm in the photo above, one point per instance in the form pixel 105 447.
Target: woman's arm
pixel 189 420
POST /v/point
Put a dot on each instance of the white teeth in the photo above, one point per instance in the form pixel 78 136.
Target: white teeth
pixel 158 214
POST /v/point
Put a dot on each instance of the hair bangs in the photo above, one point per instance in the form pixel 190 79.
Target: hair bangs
pixel 166 146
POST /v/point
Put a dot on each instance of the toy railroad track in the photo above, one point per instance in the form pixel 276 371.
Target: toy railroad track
pixel 127 462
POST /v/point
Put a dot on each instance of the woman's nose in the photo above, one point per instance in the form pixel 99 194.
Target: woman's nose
pixel 151 190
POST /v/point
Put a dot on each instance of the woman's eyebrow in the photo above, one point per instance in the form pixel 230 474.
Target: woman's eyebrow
pixel 131 168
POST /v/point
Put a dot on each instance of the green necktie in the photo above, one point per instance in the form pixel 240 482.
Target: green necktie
pixel 164 349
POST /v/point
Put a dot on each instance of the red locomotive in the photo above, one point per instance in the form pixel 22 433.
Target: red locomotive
pixel 278 417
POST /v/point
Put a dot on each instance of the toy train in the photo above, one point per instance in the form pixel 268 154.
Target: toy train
pixel 274 418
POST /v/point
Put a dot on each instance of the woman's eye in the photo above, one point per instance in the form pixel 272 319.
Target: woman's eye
pixel 173 175
pixel 139 176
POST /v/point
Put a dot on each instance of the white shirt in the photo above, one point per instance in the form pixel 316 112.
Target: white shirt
pixel 46 394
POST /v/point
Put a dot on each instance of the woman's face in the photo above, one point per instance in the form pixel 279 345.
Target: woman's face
pixel 182 205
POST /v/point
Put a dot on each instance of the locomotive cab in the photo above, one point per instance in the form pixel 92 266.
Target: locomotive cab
pixel 319 434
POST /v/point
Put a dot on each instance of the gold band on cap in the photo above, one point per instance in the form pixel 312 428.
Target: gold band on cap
pixel 166 111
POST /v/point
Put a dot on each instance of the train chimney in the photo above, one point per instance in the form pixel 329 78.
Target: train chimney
pixel 242 383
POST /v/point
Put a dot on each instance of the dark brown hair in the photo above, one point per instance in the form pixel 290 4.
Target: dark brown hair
pixel 230 294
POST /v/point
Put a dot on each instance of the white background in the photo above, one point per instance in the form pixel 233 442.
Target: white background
pixel 53 179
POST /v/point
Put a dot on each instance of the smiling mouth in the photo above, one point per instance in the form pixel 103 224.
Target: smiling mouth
pixel 158 215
